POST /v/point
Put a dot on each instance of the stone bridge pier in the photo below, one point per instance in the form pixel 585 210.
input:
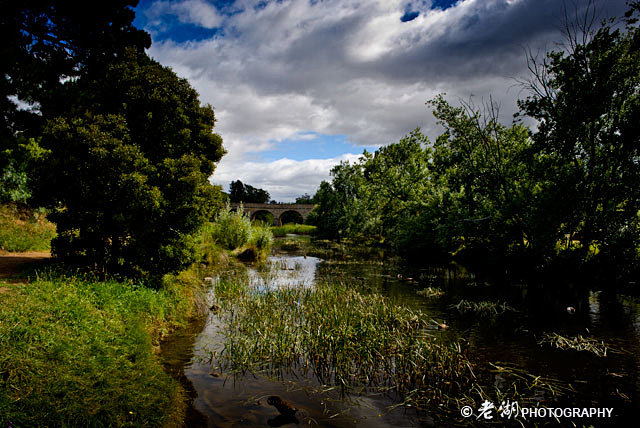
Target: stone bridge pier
pixel 277 210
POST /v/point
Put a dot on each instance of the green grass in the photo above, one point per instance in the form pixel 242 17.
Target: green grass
pixel 24 230
pixel 299 229
pixel 79 352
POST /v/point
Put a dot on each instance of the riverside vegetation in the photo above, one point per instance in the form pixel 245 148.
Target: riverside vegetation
pixel 70 339
pixel 564 197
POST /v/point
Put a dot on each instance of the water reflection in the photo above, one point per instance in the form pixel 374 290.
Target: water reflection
pixel 285 271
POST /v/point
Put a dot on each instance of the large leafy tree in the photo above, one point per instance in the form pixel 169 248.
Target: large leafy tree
pixel 44 45
pixel 128 172
pixel 129 146
pixel 587 104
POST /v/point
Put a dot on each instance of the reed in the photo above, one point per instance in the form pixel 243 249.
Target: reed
pixel 430 292
pixel 483 308
pixel 576 343
pixel 344 338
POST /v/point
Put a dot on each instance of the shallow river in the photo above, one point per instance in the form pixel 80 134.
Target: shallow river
pixel 222 400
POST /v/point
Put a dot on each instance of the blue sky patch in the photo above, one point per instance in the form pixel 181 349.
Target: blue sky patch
pixel 312 145
pixel 409 16
pixel 443 4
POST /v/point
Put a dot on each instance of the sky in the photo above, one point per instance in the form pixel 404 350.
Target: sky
pixel 301 85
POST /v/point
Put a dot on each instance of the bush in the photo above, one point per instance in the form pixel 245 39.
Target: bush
pixel 231 229
pixel 261 237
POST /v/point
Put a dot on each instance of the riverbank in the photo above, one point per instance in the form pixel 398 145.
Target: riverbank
pixel 81 352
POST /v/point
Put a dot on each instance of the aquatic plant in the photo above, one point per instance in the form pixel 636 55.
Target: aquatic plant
pixel 430 292
pixel 484 308
pixel 291 244
pixel 577 343
pixel 342 337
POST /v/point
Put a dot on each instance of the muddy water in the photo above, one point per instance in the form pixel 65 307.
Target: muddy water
pixel 222 400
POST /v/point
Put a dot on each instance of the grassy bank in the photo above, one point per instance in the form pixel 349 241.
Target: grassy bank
pixel 23 229
pixel 299 229
pixel 80 352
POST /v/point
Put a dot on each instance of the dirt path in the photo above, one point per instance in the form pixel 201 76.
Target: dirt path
pixel 13 264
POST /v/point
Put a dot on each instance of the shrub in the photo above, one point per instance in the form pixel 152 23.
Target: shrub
pixel 231 229
pixel 24 230
pixel 261 237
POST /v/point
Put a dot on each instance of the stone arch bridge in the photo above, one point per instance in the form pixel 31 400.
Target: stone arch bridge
pixel 276 210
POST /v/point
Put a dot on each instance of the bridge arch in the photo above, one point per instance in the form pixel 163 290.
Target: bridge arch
pixel 291 216
pixel 265 216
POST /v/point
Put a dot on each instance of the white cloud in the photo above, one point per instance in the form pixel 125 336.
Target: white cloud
pixel 285 179
pixel 347 67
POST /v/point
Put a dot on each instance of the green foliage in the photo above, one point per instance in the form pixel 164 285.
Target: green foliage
pixel 261 237
pixel 298 229
pixel 486 193
pixel 127 149
pixel 17 157
pixel 586 103
pixel 231 229
pixel 468 191
pixel 305 199
pixel 127 176
pixel 22 229
pixel 79 352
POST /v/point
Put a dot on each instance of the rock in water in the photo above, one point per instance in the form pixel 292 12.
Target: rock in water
pixel 283 407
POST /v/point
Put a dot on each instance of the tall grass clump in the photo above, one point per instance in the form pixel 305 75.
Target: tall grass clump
pixel 343 337
pixel 80 352
pixel 299 229
pixel 23 229
pixel 231 229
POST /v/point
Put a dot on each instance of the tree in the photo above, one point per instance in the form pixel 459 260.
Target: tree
pixel 305 199
pixel 47 45
pixel 127 175
pixel 239 192
pixel 483 171
pixel 586 102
